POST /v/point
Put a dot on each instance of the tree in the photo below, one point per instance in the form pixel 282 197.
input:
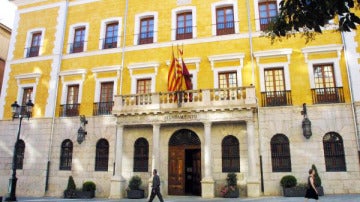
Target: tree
pixel 311 15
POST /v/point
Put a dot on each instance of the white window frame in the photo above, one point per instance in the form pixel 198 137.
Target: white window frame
pixel 175 12
pixel 135 78
pixel 257 14
pixel 65 90
pixel 337 48
pixel 98 87
pixel 284 65
pixel 227 69
pixel 29 39
pixel 21 87
pixel 138 18
pixel 103 26
pixel 337 71
pixel 225 3
pixel 72 33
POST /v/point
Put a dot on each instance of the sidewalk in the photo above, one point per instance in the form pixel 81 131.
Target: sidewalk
pixel 328 198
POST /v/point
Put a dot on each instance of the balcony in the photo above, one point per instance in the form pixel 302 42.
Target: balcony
pixel 276 98
pixel 32 51
pixel 102 108
pixel 328 95
pixel 77 47
pixel 109 42
pixel 146 37
pixel 68 110
pixel 265 22
pixel 191 100
pixel 225 28
pixel 184 33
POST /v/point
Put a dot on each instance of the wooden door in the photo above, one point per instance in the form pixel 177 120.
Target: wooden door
pixel 196 164
pixel 176 170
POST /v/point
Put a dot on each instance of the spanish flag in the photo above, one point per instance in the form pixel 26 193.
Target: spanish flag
pixel 186 83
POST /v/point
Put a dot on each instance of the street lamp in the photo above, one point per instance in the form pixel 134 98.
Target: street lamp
pixel 306 123
pixel 17 112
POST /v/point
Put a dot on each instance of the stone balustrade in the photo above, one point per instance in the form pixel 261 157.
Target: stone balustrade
pixel 190 100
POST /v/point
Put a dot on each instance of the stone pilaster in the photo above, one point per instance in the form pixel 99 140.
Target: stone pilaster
pixel 207 183
pixel 117 188
pixel 253 183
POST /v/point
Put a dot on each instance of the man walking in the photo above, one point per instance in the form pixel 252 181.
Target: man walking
pixel 155 187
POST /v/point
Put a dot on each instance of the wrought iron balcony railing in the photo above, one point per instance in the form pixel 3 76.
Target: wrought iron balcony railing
pixel 68 110
pixel 184 33
pixel 225 28
pixel 276 98
pixel 328 95
pixel 32 51
pixel 102 108
pixel 192 99
pixel 110 42
pixel 77 47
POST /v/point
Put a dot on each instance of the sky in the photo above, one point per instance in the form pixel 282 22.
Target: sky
pixel 7 13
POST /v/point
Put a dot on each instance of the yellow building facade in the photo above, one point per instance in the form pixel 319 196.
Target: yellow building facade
pixel 109 60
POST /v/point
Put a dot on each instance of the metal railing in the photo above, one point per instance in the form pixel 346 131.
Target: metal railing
pixel 328 95
pixel 184 33
pixel 68 110
pixel 225 28
pixel 109 42
pixel 264 22
pixel 276 98
pixel 146 37
pixel 32 51
pixel 77 47
pixel 102 108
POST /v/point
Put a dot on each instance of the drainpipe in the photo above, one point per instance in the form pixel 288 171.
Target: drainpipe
pixel 123 45
pixel 56 96
pixel 353 107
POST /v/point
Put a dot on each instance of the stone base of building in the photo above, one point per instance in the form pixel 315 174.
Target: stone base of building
pixel 253 188
pixel 117 187
pixel 208 188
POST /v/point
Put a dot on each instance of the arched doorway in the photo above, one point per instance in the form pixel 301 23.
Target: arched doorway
pixel 184 163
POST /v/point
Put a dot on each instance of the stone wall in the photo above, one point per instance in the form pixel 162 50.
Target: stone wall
pixel 305 152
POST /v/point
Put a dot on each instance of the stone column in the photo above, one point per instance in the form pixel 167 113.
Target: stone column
pixel 253 183
pixel 207 183
pixel 156 156
pixel 117 189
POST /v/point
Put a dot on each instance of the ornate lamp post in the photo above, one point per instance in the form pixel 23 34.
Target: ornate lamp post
pixel 17 113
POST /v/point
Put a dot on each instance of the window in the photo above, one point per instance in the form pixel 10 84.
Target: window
pixel 227 80
pixel 230 154
pixel 280 153
pixel 111 35
pixel 34 48
pixel 275 91
pixel 26 96
pixel 146 34
pixel 334 152
pixel 20 151
pixel 79 39
pixel 184 28
pixel 71 108
pixel 225 21
pixel 143 86
pixel 325 87
pixel 102 155
pixel 141 155
pixel 66 155
pixel 106 99
pixel 267 12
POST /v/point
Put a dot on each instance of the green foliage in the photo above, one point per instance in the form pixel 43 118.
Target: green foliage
pixel 135 183
pixel 231 179
pixel 288 181
pixel 71 184
pixel 311 15
pixel 317 180
pixel 89 186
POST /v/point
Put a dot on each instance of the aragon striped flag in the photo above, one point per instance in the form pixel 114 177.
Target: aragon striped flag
pixel 172 74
